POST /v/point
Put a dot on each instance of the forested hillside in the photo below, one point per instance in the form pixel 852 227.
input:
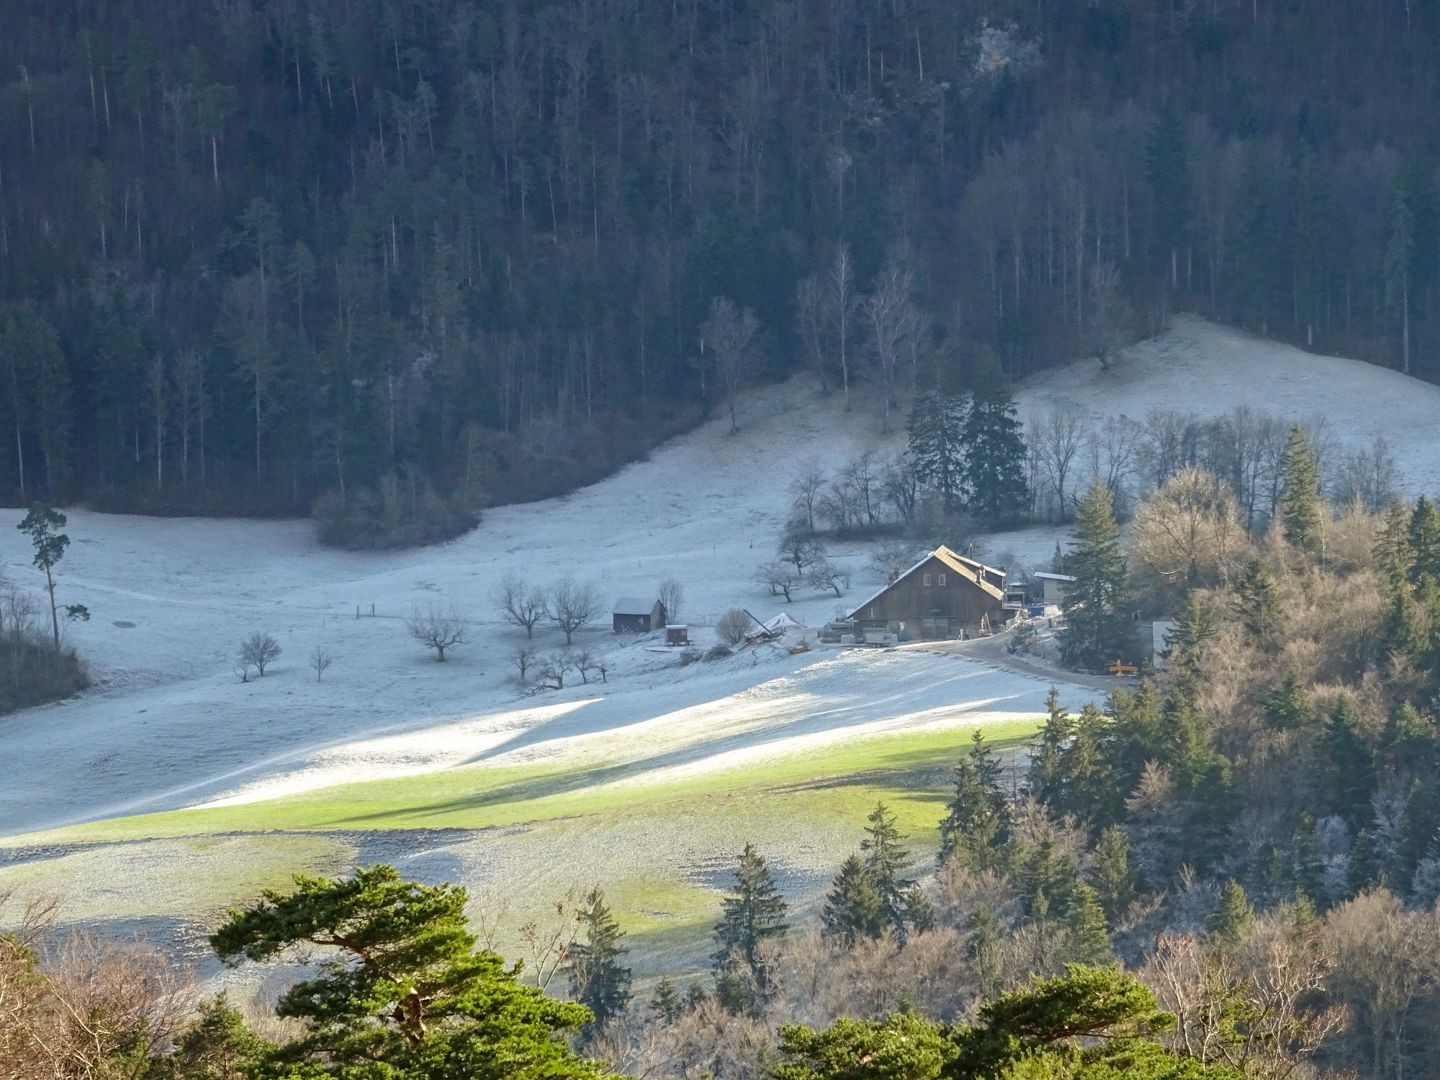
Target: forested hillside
pixel 392 253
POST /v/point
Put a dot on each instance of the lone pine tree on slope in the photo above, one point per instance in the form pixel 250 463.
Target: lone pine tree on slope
pixel 1098 604
pixel 751 917
pixel 1301 510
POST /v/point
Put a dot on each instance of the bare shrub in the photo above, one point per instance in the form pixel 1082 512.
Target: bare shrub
pixel 437 628
pixel 718 652
pixel 258 651
pixel 733 626
pixel 890 559
pixel 520 602
pixel 572 604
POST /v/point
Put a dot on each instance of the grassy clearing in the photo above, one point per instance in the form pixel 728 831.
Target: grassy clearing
pixel 179 878
pixel 833 780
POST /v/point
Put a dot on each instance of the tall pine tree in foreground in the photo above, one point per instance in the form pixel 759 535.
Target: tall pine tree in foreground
pixel 1302 514
pixel 751 917
pixel 937 448
pixel 1098 605
pixel 994 456
pixel 406 993
pixel 598 978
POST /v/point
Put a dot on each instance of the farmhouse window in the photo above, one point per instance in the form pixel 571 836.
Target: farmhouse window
pixel 940 580
pixel 926 582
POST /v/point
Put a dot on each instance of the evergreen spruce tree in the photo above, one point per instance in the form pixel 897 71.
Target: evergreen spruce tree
pixel 598 978
pixel 1230 922
pixel 1424 537
pixel 853 910
pixel 886 860
pixel 1309 864
pixel 1045 777
pixel 1287 706
pixel 1089 936
pixel 1364 869
pixel 1047 882
pixel 994 456
pixel 937 448
pixel 666 1005
pixel 751 917
pixel 1418 825
pixel 1394 557
pixel 1112 875
pixel 1350 768
pixel 1402 627
pixel 1301 509
pixel 1091 789
pixel 974 828
pixel 1257 597
pixel 1409 741
pixel 1194 629
pixel 1097 607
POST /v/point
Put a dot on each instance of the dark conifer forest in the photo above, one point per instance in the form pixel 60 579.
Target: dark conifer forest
pixel 257 255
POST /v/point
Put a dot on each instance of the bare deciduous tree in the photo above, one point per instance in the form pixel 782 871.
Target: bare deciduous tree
pixel 840 307
pixel 805 491
pixel 779 577
pixel 729 333
pixel 889 314
pixel 320 661
pixel 552 670
pixel 437 628
pixel 1056 437
pixel 520 602
pixel 672 596
pixel 258 651
pixel 823 575
pixel 1111 323
pixel 891 559
pixel 522 658
pixel 1188 533
pixel 571 604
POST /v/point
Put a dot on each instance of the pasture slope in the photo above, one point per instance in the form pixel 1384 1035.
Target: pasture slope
pixel 171 789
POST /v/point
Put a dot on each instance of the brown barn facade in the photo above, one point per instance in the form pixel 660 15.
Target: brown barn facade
pixel 943 596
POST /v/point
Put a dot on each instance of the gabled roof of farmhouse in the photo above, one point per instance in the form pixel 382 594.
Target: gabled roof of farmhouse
pixel 972 571
pixel 633 605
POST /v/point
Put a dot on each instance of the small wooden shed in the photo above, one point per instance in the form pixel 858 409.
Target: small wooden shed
pixel 632 615
pixel 677 634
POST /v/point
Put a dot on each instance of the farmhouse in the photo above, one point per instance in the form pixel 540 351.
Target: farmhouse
pixel 631 615
pixel 944 595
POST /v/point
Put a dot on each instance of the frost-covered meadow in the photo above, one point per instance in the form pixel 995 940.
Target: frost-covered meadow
pixel 168 726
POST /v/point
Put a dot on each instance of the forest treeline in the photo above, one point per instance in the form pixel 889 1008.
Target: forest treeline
pixel 408 257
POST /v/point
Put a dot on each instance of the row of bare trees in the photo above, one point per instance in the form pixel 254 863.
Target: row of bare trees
pixel 1068 447
pixel 569 603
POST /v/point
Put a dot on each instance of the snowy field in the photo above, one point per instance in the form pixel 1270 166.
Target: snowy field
pixel 169 726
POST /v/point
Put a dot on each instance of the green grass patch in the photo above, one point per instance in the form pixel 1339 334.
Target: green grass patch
pixel 835 778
